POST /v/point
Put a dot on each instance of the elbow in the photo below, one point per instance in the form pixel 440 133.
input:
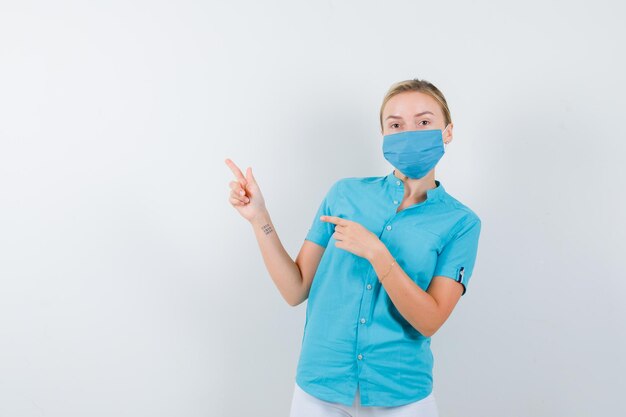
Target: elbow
pixel 427 333
pixel 431 326
pixel 430 330
pixel 295 302
pixel 291 301
pixel 424 331
pixel 299 298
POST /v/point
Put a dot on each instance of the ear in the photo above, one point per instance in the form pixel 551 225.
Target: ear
pixel 447 136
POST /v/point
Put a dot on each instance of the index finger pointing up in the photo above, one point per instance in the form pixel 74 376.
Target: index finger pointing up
pixel 236 171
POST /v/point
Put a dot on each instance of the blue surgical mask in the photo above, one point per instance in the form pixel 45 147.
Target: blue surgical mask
pixel 414 152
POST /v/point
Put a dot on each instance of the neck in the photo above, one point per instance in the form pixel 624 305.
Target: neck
pixel 415 189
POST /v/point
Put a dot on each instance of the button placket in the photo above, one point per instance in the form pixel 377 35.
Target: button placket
pixel 368 300
pixel 364 311
pixel 398 194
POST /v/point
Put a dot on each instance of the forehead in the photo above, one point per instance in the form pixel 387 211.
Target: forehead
pixel 411 102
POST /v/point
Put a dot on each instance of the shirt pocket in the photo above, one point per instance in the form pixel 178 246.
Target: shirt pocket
pixel 419 250
pixel 430 239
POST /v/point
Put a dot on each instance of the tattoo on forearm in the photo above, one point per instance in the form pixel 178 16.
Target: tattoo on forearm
pixel 267 229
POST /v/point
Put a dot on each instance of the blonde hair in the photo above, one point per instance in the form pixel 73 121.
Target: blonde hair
pixel 421 86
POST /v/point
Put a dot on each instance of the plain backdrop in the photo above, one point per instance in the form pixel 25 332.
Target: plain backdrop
pixel 130 287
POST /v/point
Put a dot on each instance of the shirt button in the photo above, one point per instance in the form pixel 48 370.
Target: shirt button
pixel 360 356
pixel 362 320
pixel 389 227
pixel 369 286
pixel 398 182
pixel 395 201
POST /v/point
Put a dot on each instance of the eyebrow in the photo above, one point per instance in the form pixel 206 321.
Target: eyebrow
pixel 391 116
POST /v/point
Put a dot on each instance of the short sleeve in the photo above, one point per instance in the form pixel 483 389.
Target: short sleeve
pixel 458 256
pixel 320 232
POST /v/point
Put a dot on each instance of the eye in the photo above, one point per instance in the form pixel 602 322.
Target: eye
pixel 424 121
pixel 394 125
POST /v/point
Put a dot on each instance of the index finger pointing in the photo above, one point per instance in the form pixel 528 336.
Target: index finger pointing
pixel 331 219
pixel 236 171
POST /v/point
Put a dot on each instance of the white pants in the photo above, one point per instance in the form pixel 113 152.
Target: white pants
pixel 305 405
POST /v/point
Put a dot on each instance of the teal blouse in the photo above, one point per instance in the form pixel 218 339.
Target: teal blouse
pixel 353 334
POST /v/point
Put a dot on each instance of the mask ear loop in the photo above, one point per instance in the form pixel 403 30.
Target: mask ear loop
pixel 444 143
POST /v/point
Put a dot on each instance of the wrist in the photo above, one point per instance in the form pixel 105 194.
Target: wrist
pixel 260 219
pixel 377 252
pixel 382 262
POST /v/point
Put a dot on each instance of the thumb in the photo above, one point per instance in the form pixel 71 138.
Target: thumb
pixel 250 176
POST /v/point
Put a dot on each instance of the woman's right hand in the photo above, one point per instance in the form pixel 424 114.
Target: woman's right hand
pixel 245 195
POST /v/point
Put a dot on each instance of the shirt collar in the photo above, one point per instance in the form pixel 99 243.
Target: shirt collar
pixel 432 194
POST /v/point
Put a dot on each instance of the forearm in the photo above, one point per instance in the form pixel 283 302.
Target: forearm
pixel 417 306
pixel 282 269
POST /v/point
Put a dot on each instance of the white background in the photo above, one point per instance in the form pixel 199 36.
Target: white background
pixel 130 287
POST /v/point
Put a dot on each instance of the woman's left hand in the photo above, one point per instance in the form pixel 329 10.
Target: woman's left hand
pixel 353 237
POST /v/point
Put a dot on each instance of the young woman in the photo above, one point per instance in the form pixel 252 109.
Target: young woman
pixel 383 265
